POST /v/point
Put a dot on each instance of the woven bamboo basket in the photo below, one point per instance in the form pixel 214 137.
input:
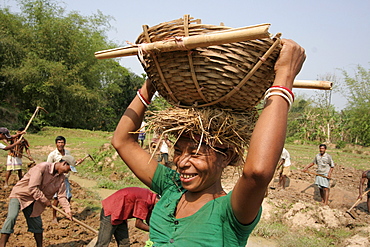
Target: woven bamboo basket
pixel 229 76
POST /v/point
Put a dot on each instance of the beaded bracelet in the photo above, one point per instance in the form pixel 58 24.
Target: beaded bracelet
pixel 142 99
pixel 279 94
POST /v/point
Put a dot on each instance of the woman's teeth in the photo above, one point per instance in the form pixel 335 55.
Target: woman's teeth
pixel 188 175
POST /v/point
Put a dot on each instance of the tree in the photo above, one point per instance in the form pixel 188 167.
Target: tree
pixel 356 90
pixel 48 60
pixel 322 100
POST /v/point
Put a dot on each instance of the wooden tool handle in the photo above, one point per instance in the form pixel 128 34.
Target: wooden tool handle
pixel 358 200
pixel 75 220
pixel 313 173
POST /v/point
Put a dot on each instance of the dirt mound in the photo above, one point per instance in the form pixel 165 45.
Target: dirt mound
pixel 300 205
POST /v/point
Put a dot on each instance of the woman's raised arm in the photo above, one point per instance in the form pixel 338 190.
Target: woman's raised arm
pixel 268 137
pixel 126 144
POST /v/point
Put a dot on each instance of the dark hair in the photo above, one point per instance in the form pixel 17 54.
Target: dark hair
pixel 322 145
pixel 60 138
pixel 21 129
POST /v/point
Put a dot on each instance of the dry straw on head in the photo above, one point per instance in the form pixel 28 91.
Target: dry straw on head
pixel 214 127
pixel 230 76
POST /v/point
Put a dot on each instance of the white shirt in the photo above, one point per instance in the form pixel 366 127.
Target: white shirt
pixel 164 147
pixel 2 146
pixel 285 156
pixel 56 156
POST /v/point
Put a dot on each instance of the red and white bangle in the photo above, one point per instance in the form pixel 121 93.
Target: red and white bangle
pixel 286 90
pixel 279 94
pixel 143 100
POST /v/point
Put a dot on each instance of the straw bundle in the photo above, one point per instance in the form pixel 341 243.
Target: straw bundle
pixel 233 75
pixel 213 126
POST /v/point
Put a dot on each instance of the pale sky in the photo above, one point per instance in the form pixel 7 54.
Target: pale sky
pixel 335 33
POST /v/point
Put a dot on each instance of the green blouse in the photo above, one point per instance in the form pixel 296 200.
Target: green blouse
pixel 213 225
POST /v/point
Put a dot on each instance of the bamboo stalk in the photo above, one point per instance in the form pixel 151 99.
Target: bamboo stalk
pixel 309 84
pixel 191 42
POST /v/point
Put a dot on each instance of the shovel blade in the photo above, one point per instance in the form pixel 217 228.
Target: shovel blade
pixel 348 212
pixel 92 242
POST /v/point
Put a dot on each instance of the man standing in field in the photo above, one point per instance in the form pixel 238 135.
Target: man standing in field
pixel 55 156
pixel 325 167
pixel 14 161
pixel 365 176
pixel 284 167
pixel 163 148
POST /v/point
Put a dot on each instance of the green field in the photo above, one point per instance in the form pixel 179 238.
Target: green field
pixel 110 171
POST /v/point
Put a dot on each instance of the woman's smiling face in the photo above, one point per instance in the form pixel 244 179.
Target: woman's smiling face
pixel 200 170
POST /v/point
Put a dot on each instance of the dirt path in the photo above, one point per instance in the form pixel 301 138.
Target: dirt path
pixel 92 186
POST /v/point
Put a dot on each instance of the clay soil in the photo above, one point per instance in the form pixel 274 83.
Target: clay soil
pixel 300 189
pixel 66 233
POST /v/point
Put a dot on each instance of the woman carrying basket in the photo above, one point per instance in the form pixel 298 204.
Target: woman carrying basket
pixel 194 209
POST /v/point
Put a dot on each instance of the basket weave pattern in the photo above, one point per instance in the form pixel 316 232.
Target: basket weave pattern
pixel 208 76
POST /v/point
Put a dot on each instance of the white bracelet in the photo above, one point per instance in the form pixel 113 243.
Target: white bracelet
pixel 286 92
pixel 141 99
pixel 279 94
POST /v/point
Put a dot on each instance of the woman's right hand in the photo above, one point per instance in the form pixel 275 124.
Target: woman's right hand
pixel 289 63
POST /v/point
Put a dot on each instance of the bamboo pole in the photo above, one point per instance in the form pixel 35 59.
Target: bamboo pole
pixel 309 84
pixel 191 42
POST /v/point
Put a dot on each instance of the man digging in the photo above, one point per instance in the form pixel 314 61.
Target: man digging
pixel 33 193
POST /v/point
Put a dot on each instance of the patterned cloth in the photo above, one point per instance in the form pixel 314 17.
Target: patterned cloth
pixel 13 163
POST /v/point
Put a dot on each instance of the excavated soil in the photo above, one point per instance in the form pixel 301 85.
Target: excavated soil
pixel 301 196
pixel 66 233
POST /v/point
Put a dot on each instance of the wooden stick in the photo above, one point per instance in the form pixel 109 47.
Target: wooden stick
pixel 314 173
pixel 25 155
pixel 333 181
pixel 357 202
pixel 33 116
pixel 191 42
pixel 75 220
pixel 323 85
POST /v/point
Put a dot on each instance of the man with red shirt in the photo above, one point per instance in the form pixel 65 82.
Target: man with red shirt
pixel 127 203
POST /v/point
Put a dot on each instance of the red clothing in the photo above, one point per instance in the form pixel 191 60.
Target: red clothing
pixel 127 203
pixel 39 184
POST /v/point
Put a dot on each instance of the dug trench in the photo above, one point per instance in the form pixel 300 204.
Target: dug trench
pixel 304 210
